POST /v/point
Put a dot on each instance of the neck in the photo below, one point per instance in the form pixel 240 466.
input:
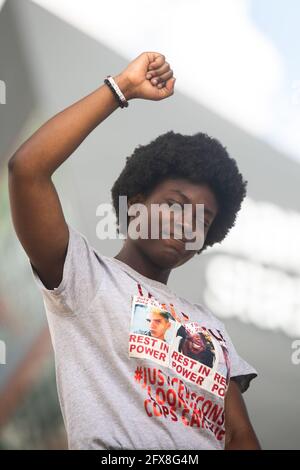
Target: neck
pixel 137 260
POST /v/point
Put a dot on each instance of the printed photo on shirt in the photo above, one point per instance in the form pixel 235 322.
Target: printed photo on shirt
pixel 152 330
pixel 152 320
pixel 197 356
pixel 193 352
pixel 196 343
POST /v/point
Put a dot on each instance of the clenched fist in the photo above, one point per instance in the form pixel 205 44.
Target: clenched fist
pixel 148 76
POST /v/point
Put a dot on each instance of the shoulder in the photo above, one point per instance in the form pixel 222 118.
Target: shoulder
pixel 210 316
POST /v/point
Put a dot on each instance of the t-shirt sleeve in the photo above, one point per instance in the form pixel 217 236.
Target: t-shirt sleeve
pixel 82 275
pixel 240 370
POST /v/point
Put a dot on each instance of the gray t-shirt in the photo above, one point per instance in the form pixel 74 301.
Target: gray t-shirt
pixel 137 367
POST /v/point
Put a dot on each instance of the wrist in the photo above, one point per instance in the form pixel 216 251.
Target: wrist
pixel 125 85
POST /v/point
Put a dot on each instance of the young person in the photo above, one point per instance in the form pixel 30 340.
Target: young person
pixel 119 389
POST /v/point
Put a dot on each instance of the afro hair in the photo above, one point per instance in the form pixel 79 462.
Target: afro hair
pixel 200 159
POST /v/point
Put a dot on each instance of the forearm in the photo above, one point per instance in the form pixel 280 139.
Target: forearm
pixel 60 136
pixel 243 441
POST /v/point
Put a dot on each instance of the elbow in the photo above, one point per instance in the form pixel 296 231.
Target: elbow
pixel 11 163
pixel 17 164
pixel 246 440
pixel 25 166
pixel 21 167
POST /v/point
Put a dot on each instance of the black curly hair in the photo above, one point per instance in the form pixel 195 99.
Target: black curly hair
pixel 198 158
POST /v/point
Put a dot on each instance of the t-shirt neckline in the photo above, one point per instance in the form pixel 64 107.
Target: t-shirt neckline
pixel 130 270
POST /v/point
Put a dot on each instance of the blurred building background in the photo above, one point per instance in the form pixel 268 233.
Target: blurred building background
pixel 240 85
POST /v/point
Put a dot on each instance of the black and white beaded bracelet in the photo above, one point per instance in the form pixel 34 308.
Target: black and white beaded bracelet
pixel 116 91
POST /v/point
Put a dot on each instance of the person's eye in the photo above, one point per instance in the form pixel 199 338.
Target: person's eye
pixel 170 203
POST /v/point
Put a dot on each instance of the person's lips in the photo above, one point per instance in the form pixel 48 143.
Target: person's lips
pixel 178 245
pixel 197 346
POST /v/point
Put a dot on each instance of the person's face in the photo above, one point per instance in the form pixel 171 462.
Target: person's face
pixel 170 252
pixel 193 344
pixel 158 325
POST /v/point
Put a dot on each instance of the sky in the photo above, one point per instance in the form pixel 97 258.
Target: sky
pixel 279 22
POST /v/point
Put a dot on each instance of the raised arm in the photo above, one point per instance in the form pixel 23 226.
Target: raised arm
pixel 36 210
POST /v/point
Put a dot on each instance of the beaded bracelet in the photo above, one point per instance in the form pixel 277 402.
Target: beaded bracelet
pixel 116 91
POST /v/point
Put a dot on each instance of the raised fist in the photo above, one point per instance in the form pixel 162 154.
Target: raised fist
pixel 148 76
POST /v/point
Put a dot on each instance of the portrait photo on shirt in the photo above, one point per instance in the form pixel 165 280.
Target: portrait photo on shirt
pixel 151 320
pixel 196 345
